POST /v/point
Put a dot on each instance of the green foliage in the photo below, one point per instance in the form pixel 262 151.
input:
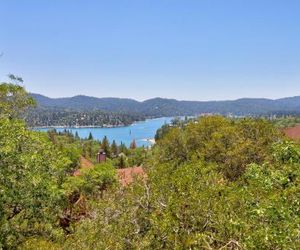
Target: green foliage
pixel 39 243
pixel 114 149
pixel 115 223
pixel 69 145
pixel 268 212
pixel 77 136
pixel 54 116
pixel 137 157
pixel 183 200
pixel 73 153
pixel 161 132
pixel 13 100
pixel 286 121
pixel 123 148
pixel 90 137
pixel 231 144
pixel 122 161
pixel 106 146
pixel 91 181
pixel 286 152
pixel 31 174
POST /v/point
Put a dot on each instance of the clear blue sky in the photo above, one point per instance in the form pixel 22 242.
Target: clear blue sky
pixel 193 50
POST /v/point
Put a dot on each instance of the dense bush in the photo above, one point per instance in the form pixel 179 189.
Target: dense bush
pixel 31 174
pixel 231 144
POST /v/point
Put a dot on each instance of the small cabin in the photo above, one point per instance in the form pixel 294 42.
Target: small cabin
pixel 101 156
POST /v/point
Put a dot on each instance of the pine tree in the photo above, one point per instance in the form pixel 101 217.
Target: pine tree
pixel 122 161
pixel 114 148
pixel 105 146
pixel 123 148
pixel 133 145
pixel 77 136
pixel 90 136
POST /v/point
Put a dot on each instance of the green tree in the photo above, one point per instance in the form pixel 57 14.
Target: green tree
pixel 106 146
pixel 122 161
pixel 13 100
pixel 123 148
pixel 90 137
pixel 31 174
pixel 114 148
pixel 92 182
pixel 232 144
pixel 77 136
pixel 137 157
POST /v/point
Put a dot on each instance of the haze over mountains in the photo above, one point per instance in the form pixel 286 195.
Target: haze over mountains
pixel 172 107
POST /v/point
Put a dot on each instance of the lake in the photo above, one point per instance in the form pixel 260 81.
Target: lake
pixel 141 132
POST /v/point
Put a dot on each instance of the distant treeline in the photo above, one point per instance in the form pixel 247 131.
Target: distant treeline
pixel 41 116
pixel 169 107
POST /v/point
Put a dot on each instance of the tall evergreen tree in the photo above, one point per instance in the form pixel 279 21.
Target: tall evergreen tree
pixel 122 161
pixel 90 136
pixel 77 136
pixel 114 148
pixel 133 145
pixel 122 148
pixel 105 146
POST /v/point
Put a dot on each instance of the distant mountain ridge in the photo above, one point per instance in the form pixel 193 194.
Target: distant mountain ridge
pixel 172 107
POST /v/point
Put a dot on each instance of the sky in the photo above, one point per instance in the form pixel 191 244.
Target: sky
pixel 141 49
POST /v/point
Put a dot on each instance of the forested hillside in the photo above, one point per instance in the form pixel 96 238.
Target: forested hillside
pixel 171 107
pixel 210 183
pixel 91 111
pixel 45 116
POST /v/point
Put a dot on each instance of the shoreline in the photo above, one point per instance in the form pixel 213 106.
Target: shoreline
pixel 79 127
pixel 150 140
pixel 95 126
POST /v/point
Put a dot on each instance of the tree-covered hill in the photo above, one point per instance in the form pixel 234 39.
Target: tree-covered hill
pixel 52 116
pixel 88 103
pixel 172 107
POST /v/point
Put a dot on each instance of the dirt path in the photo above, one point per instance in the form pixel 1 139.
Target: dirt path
pixel 84 164
pixel 127 175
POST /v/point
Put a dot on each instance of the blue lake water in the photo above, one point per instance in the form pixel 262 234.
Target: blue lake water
pixel 141 132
